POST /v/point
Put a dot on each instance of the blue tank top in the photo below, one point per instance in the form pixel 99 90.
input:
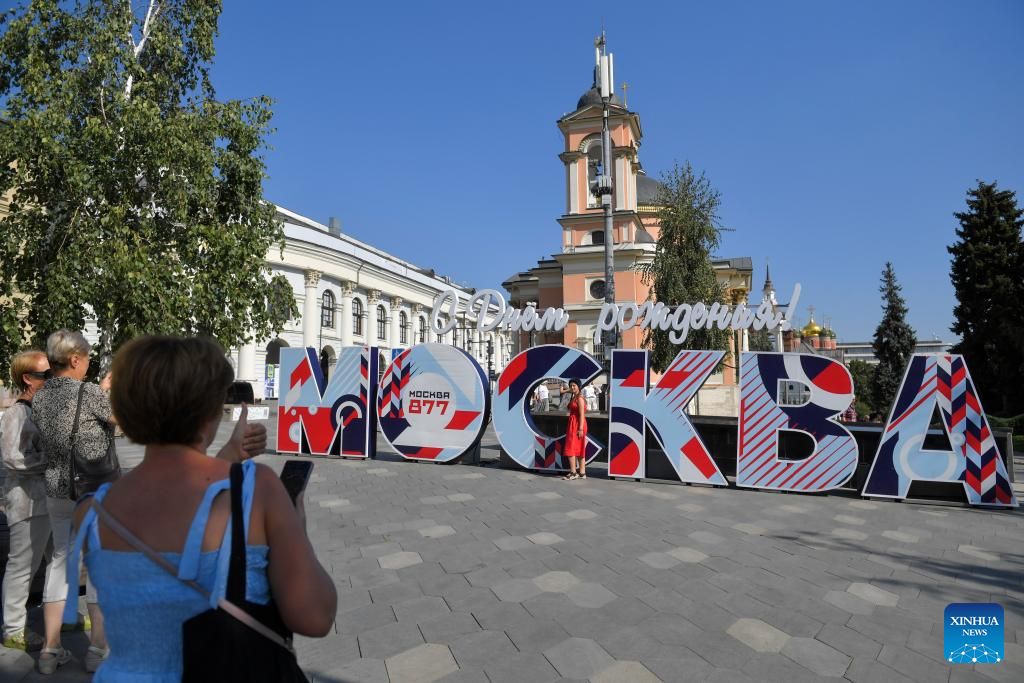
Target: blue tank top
pixel 144 606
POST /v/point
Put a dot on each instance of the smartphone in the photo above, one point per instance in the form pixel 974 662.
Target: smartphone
pixel 295 476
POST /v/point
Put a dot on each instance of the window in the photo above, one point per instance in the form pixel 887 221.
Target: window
pixel 403 327
pixel 593 164
pixel 382 323
pixel 598 289
pixel 423 331
pixel 597 237
pixel 357 317
pixel 327 309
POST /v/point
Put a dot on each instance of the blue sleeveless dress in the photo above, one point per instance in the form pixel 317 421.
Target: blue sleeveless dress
pixel 144 606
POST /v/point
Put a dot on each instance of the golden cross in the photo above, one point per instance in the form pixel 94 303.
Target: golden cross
pixel 625 89
pixel 810 309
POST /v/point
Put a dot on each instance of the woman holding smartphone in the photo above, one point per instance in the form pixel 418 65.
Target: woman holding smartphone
pixel 168 394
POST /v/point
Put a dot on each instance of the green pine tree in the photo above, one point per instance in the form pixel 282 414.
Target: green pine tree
pixel 988 280
pixel 894 341
pixel 136 194
pixel 863 381
pixel 681 271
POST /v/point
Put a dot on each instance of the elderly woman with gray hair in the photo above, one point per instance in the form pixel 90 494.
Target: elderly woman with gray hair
pixel 54 411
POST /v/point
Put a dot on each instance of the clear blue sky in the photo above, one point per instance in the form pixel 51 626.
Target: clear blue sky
pixel 840 135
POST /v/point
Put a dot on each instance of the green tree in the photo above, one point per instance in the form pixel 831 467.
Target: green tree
pixel 988 280
pixel 681 271
pixel 136 194
pixel 761 340
pixel 893 344
pixel 863 381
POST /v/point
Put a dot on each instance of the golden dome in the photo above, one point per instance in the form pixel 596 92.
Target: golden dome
pixel 812 329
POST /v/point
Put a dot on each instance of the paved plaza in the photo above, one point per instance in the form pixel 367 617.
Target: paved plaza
pixel 467 573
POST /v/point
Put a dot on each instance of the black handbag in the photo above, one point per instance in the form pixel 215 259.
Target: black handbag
pixel 239 641
pixel 87 475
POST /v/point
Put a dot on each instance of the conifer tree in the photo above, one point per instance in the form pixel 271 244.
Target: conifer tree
pixel 681 271
pixel 987 273
pixel 894 341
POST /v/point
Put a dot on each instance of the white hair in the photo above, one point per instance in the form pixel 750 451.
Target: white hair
pixel 63 344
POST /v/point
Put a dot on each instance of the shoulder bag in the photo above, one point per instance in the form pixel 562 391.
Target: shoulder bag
pixel 87 475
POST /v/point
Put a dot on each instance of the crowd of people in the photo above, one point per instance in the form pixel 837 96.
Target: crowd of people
pixel 156 542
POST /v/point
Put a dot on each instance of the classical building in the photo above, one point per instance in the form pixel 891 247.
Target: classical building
pixel 865 351
pixel 349 293
pixel 574 278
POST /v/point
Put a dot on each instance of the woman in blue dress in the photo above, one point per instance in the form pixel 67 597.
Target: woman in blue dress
pixel 168 394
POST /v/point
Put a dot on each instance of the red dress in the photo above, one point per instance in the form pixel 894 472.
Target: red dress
pixel 576 446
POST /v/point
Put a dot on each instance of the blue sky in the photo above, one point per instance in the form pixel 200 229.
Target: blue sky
pixel 840 135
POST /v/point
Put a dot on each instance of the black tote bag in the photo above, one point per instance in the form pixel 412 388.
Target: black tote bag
pixel 88 475
pixel 240 641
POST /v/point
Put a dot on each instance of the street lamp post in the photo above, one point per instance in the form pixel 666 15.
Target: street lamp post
pixel 605 186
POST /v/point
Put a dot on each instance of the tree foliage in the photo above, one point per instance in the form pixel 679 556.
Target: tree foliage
pixel 136 195
pixel 863 380
pixel 988 279
pixel 681 271
pixel 894 341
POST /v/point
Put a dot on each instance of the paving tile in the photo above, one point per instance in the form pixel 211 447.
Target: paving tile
pixel 478 650
pixel 590 594
pixel 659 560
pixel 513 543
pixel 521 666
pixel 848 641
pixel 817 656
pixel 556 582
pixel 516 590
pixel 545 538
pixel 758 635
pixel 447 628
pixel 421 609
pixel 622 671
pixel 688 555
pixel 437 531
pixel 384 641
pixel 578 658
pixel 581 514
pixel 422 664
pixel 399 560
pixel 537 636
pixel 873 594
pixel 358 671
pixel 849 602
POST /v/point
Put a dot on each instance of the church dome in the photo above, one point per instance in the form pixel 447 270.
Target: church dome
pixel 812 329
pixel 593 97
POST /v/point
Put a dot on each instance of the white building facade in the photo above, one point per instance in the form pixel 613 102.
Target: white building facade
pixel 350 293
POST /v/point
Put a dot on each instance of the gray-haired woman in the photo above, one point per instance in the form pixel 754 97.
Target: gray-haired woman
pixel 53 411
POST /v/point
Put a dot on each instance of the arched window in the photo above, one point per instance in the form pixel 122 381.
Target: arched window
pixel 597 237
pixel 327 309
pixel 357 316
pixel 382 323
pixel 423 331
pixel 403 327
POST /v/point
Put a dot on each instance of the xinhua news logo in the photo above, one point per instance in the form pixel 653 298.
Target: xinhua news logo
pixel 973 632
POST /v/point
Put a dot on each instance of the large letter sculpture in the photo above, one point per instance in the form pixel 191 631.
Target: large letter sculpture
pixel 974 460
pixel 434 402
pixel 662 409
pixel 339 419
pixel 513 424
pixel 830 389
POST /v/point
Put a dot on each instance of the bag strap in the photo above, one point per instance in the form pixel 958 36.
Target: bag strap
pixel 162 562
pixel 235 591
pixel 78 413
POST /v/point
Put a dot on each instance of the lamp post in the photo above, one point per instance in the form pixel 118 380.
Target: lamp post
pixel 604 186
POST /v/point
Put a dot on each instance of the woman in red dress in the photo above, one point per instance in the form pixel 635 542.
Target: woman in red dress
pixel 576 435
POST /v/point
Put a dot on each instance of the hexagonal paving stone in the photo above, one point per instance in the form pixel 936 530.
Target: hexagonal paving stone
pixel 979 553
pixel 658 560
pixel 548 495
pixel 849 534
pixel 461 497
pixel 358 671
pixel 423 664
pixel 849 519
pixel 516 590
pixel 621 671
pixel 578 658
pixel 758 635
pixel 437 531
pixel 817 656
pixel 751 529
pixel 690 507
pixel 399 560
pixel 555 582
pixel 873 594
pixel 590 595
pixel 848 602
pixel 901 536
pixel 688 555
pixel 581 514
pixel 512 543
pixel 545 538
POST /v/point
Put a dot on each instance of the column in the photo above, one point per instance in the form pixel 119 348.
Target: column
pixel 345 314
pixel 372 299
pixel 396 321
pixel 417 311
pixel 311 311
pixel 247 363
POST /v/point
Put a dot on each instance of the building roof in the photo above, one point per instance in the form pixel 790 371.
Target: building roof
pixel 736 263
pixel 593 98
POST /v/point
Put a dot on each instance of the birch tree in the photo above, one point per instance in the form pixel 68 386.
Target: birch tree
pixel 136 194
